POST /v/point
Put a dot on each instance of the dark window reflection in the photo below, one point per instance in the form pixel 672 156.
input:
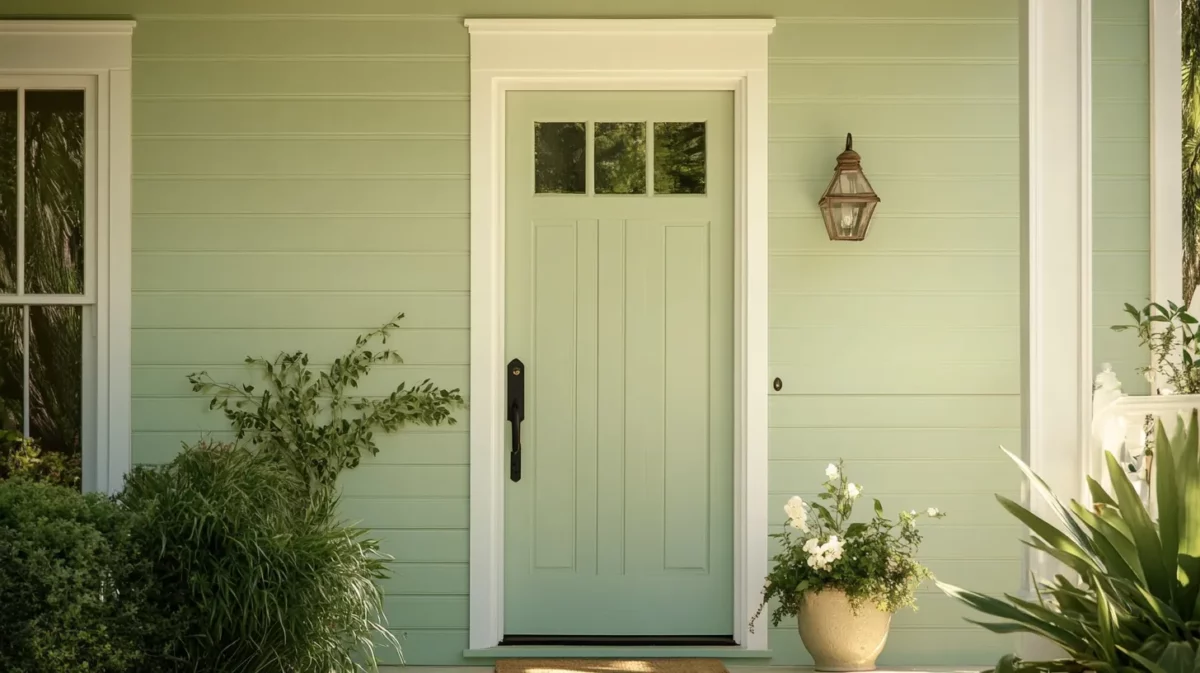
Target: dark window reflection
pixel 679 158
pixel 620 158
pixel 559 155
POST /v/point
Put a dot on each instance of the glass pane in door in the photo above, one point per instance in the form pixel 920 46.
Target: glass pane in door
pixel 620 158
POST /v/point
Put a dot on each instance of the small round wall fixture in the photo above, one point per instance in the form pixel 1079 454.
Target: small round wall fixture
pixel 849 201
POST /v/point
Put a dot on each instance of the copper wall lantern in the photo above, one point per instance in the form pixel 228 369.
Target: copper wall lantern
pixel 848 202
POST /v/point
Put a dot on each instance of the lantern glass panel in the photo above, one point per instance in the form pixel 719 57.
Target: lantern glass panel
pixel 851 183
pixel 847 217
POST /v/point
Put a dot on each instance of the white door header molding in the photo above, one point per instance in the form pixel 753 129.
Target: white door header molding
pixel 70 46
pixel 608 47
pixel 607 54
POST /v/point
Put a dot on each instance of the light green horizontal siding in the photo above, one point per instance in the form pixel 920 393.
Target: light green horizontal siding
pixel 301 174
pixel 1120 182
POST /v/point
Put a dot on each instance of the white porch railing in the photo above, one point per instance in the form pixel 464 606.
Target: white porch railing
pixel 1120 426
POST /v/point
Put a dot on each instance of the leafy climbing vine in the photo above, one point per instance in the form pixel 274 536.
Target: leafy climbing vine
pixel 311 421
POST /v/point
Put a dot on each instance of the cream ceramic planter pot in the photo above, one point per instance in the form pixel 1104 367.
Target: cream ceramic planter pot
pixel 838 638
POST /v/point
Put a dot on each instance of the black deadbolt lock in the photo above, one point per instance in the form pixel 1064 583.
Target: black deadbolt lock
pixel 778 385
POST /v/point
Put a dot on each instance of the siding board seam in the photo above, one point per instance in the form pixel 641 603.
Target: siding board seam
pixel 892 60
pixel 301 58
pixel 259 16
pixel 899 20
pixel 298 97
pixel 209 177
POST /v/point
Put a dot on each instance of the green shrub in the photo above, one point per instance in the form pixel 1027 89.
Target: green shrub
pixel 1133 602
pixel 263 576
pixel 23 458
pixel 71 594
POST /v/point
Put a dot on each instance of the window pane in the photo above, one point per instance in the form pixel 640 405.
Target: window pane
pixel 8 192
pixel 12 368
pixel 54 192
pixel 679 157
pixel 56 378
pixel 620 158
pixel 558 158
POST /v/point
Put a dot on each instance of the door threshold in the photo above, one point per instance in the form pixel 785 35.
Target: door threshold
pixel 617 641
pixel 613 652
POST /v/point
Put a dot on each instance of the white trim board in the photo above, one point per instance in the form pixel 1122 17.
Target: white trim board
pixel 101 50
pixel 1056 259
pixel 620 54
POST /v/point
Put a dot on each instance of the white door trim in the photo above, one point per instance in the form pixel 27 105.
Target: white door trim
pixel 607 54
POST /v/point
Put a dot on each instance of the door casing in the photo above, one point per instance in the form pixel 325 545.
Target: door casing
pixel 598 55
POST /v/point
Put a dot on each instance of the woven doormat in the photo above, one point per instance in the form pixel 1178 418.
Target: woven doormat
pixel 610 666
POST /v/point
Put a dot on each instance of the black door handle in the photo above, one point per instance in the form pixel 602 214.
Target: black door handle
pixel 516 414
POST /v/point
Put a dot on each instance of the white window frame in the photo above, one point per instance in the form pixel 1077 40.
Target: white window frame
pixel 617 54
pixel 98 56
pixel 1166 160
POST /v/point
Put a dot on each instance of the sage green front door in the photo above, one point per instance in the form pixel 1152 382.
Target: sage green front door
pixel 619 302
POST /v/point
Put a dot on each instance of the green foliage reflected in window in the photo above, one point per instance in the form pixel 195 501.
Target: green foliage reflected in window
pixel 679 158
pixel 560 149
pixel 620 158
pixel 56 378
pixel 8 192
pixel 12 368
pixel 1190 21
pixel 41 344
pixel 54 181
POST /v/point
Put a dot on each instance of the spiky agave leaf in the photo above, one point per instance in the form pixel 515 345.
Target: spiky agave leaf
pixel 1134 604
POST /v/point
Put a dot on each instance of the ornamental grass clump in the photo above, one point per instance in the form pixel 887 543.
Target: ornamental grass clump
pixel 821 548
pixel 261 574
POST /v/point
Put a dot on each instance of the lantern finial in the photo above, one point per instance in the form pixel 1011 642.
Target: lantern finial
pixel 849 142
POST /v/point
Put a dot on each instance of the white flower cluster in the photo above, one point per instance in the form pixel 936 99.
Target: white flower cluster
pixel 821 556
pixel 797 513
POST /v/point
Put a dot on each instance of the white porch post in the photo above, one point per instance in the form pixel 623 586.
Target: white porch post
pixel 1056 242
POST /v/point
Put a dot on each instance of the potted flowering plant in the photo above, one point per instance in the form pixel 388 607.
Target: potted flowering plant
pixel 843 581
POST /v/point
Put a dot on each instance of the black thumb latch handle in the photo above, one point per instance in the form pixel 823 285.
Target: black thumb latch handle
pixel 516 414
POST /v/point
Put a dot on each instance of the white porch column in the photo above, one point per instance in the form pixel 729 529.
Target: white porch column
pixel 1056 242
